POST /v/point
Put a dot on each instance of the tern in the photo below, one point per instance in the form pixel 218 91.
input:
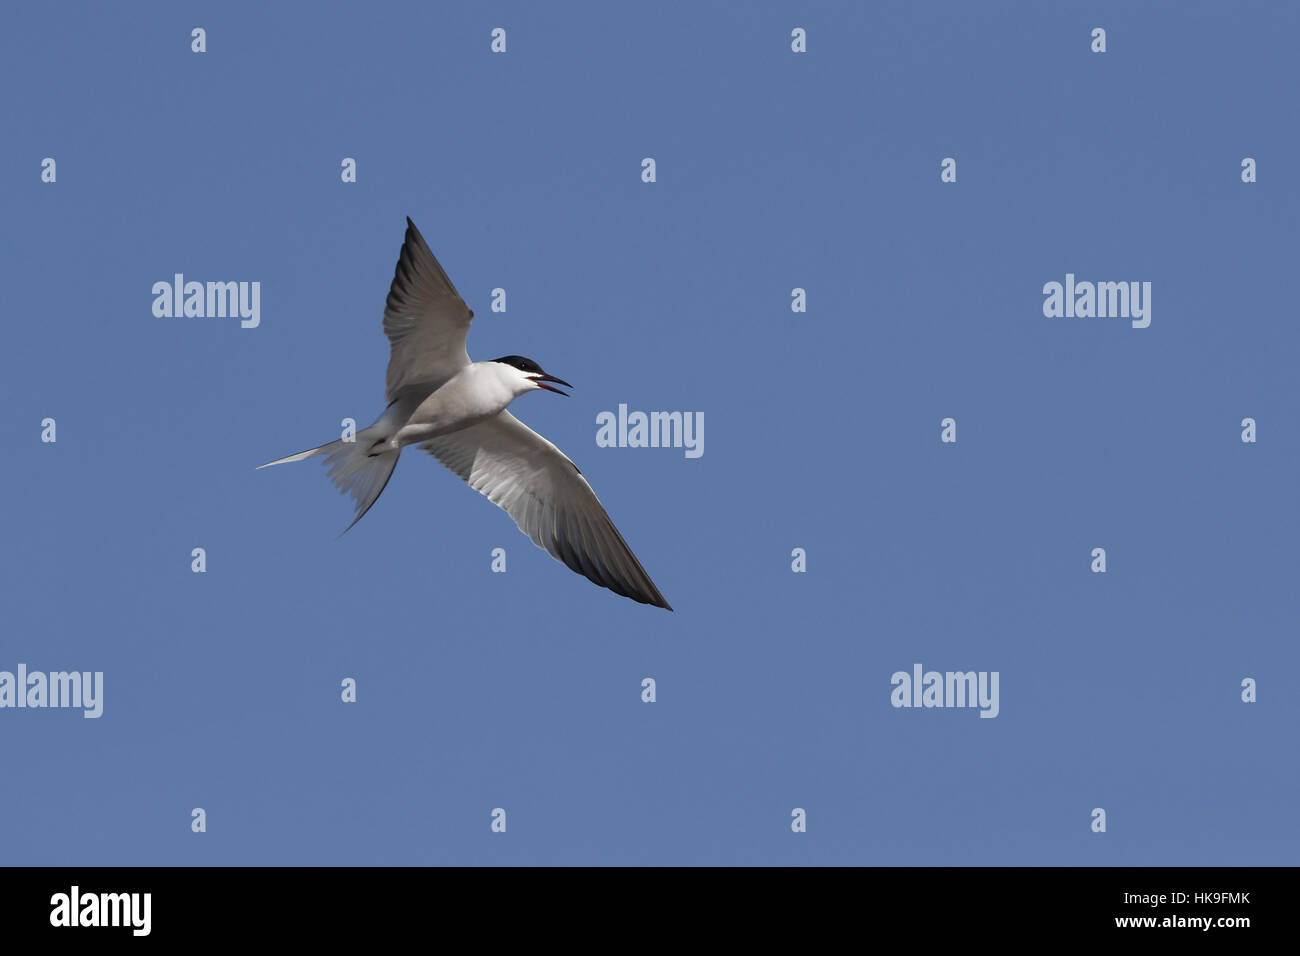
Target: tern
pixel 457 411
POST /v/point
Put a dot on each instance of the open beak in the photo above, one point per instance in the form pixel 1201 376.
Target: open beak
pixel 539 379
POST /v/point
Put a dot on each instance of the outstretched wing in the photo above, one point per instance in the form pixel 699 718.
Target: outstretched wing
pixel 425 319
pixel 542 490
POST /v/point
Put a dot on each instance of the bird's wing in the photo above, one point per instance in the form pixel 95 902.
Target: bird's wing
pixel 425 319
pixel 536 484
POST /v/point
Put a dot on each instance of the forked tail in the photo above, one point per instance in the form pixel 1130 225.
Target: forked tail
pixel 358 468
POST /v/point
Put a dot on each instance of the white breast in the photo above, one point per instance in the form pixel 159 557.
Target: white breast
pixel 474 393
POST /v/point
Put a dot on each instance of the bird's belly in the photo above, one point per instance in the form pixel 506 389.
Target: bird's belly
pixel 449 409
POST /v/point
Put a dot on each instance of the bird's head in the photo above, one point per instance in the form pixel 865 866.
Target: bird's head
pixel 528 375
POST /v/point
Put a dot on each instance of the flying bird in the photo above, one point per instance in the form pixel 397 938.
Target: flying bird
pixel 456 410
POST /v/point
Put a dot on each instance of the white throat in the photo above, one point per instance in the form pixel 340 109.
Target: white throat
pixel 509 377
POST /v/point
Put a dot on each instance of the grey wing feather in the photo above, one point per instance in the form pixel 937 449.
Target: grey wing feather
pixel 425 319
pixel 544 492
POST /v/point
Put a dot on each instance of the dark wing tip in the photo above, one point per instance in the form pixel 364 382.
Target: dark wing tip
pixel 657 599
pixel 413 234
pixel 642 591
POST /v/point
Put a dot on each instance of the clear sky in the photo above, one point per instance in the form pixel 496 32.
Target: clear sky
pixel 774 171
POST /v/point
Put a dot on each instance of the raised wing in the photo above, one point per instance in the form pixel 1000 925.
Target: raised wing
pixel 425 319
pixel 532 481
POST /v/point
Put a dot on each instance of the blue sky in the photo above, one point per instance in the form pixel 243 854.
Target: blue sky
pixel 774 171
